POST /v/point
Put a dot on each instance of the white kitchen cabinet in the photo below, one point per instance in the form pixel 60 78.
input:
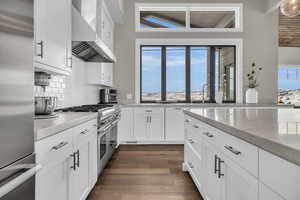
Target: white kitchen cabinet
pixel 125 126
pixel 80 176
pixel 54 155
pixel 265 193
pixel 149 124
pixel 223 175
pixel 213 184
pixel 238 183
pixel 105 24
pixel 53 35
pixel 99 74
pixel 69 161
pixel 174 124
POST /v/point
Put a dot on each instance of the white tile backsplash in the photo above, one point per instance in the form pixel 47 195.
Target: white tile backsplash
pixel 71 90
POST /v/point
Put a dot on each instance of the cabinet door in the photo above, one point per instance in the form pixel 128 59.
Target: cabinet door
pixel 93 158
pixel 141 122
pixel 55 173
pixel 80 176
pixel 107 74
pixel 212 185
pixel 267 194
pixel 52 32
pixel 174 124
pixel 107 27
pixel 125 126
pixel 238 183
pixel 156 127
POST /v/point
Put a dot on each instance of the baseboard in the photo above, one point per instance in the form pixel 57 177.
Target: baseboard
pixel 151 142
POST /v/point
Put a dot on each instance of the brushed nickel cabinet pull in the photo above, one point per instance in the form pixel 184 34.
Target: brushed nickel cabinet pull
pixel 232 150
pixel 196 126
pixel 41 44
pixel 59 146
pixel 74 161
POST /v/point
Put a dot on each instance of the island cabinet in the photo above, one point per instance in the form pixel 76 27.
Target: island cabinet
pixel 69 161
pixel 53 36
pixel 215 163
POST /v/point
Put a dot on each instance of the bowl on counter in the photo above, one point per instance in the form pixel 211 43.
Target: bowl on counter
pixel 45 105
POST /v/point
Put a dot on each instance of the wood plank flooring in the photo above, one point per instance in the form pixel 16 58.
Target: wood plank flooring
pixel 145 172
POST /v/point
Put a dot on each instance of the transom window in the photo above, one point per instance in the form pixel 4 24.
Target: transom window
pixel 187 73
pixel 189 17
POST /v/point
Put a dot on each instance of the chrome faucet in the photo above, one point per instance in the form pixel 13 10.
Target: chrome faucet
pixel 203 90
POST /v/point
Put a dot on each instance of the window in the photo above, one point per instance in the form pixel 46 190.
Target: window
pixel 189 17
pixel 289 85
pixel 187 73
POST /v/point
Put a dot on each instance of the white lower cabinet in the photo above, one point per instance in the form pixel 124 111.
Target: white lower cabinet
pixel 219 177
pixel 148 124
pixel 267 194
pixel 125 126
pixel 174 123
pixel 69 161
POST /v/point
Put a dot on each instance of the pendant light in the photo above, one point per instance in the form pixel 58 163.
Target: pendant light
pixel 290 8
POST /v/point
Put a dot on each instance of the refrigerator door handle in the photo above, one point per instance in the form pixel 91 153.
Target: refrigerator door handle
pixel 11 185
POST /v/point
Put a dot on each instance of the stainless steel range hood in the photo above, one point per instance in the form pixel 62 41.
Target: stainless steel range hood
pixel 85 43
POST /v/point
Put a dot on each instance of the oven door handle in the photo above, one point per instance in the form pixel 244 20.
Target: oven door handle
pixel 14 183
pixel 105 129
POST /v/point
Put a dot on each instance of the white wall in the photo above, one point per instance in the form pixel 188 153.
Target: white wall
pixel 72 90
pixel 289 56
pixel 260 38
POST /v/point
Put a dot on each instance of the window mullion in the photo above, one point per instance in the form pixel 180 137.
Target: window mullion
pixel 188 73
pixel 163 74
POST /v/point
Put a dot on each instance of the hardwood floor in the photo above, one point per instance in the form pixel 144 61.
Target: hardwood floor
pixel 145 172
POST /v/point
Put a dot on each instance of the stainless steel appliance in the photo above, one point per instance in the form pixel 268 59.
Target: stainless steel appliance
pixel 108 118
pixel 108 96
pixel 17 160
pixel 45 105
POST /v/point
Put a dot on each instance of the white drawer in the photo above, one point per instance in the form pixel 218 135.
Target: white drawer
pixel 54 148
pixel 241 152
pixel 148 110
pixel 280 175
pixel 84 130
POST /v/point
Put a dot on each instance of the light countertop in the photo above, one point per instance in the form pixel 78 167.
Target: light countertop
pixel 276 130
pixel 47 127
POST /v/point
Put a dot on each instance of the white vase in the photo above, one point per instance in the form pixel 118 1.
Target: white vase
pixel 251 95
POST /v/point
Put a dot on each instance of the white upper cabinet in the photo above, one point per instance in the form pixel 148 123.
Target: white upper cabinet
pixel 53 35
pixel 88 10
pixel 105 24
pixel 99 74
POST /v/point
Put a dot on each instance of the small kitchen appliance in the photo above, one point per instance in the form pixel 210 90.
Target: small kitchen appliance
pixel 108 96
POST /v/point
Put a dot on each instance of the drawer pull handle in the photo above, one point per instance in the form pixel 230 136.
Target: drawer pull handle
pixel 191 165
pixel 148 111
pixel 187 121
pixel 73 155
pixel 84 132
pixel 177 108
pixel 196 126
pixel 208 134
pixel 220 174
pixel 191 141
pixel 216 163
pixel 59 146
pixel 232 150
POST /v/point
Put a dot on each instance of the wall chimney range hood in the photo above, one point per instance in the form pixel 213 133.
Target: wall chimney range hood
pixel 85 43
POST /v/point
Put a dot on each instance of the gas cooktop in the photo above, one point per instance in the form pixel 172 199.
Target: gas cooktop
pixel 86 108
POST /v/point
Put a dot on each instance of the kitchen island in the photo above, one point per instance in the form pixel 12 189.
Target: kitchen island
pixel 243 153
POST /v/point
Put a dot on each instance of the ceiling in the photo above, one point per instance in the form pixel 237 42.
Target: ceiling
pixel 289 31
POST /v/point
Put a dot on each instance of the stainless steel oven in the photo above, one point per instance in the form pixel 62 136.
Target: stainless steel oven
pixel 107 135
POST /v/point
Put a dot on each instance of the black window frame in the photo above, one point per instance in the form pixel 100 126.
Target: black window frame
pixel 187 73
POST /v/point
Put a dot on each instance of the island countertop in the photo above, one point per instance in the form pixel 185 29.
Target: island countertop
pixel 276 130
pixel 47 127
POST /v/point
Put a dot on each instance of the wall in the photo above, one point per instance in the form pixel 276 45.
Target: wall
pixel 72 90
pixel 260 37
pixel 289 56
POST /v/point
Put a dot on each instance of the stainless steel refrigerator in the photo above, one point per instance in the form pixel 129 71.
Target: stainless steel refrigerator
pixel 17 160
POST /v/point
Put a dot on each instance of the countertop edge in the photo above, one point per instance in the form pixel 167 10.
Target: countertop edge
pixel 285 152
pixel 53 130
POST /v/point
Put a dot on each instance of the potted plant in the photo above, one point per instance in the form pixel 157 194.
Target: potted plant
pixel 252 77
